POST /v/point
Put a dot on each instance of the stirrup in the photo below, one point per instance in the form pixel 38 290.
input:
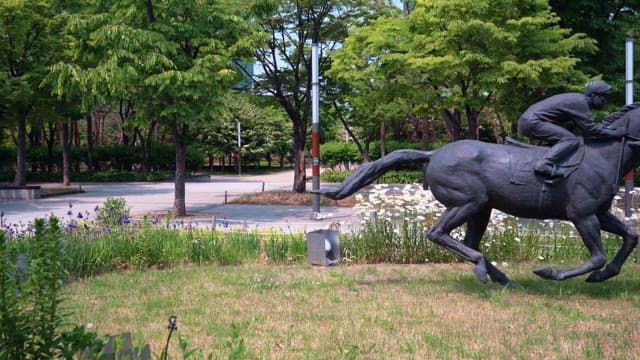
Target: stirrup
pixel 550 173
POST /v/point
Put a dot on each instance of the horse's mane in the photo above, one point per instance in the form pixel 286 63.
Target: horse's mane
pixel 611 118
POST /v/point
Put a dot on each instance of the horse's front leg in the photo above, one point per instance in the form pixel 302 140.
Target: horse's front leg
pixel 610 223
pixel 589 229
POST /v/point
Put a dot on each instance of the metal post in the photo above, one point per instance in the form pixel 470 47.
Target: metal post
pixel 628 180
pixel 239 154
pixel 315 130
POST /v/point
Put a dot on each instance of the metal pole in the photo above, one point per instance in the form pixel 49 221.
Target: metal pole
pixel 628 84
pixel 239 154
pixel 315 130
pixel 628 179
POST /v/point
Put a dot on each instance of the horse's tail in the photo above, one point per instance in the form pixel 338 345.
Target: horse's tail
pixel 367 173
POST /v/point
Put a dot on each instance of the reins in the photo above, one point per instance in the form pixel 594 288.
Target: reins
pixel 626 136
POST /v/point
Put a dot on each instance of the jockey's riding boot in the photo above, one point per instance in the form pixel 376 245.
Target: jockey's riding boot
pixel 547 168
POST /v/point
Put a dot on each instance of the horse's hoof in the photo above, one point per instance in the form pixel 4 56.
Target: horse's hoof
pixel 501 279
pixel 545 273
pixel 596 276
pixel 602 275
pixel 480 273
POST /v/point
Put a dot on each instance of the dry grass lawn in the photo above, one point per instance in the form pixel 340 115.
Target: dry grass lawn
pixel 367 312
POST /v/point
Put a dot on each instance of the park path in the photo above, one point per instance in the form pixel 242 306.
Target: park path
pixel 205 201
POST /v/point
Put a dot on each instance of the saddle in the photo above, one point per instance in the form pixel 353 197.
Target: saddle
pixel 523 168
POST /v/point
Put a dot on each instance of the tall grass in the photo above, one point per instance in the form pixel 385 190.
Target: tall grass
pixel 93 250
pixel 88 251
pixel 393 230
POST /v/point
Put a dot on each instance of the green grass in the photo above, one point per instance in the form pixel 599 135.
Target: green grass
pixel 366 311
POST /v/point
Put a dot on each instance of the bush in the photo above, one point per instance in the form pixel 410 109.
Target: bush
pixel 336 153
pixel 334 176
pixel 114 212
pixel 30 299
pixel 390 177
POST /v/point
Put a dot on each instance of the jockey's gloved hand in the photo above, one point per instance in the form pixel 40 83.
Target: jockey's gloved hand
pixel 608 131
pixel 619 132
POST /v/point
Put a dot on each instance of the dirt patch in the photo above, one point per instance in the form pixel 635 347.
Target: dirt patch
pixel 289 198
pixel 51 191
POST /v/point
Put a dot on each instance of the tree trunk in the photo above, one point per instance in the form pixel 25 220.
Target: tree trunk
pixel 50 141
pixel 179 205
pixel 365 151
pixel 383 134
pixel 299 170
pixel 146 147
pixel 425 147
pixel 299 154
pixel 452 124
pixel 64 141
pixel 472 119
pixel 20 178
pixel 89 144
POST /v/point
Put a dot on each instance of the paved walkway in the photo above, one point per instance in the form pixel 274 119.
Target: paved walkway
pixel 205 202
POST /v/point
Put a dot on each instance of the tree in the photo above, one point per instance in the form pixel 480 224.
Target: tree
pixel 468 55
pixel 170 61
pixel 375 84
pixel 607 22
pixel 508 51
pixel 26 45
pixel 283 52
pixel 263 130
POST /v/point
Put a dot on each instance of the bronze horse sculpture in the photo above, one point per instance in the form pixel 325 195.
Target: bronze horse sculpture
pixel 470 178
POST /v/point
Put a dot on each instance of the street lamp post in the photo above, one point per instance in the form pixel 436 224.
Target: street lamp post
pixel 315 130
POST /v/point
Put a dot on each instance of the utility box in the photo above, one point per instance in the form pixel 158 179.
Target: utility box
pixel 323 247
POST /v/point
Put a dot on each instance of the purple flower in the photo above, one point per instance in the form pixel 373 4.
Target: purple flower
pixel 71 225
pixel 70 213
pixel 125 220
pixel 79 216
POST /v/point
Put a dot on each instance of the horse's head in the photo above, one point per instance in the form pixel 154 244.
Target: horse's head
pixel 627 118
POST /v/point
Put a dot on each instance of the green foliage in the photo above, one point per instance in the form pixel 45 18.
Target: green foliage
pixel 7 157
pixel 93 250
pixel 452 59
pixel 109 158
pixel 31 318
pixel 334 176
pixel 602 21
pixel 401 177
pixel 390 177
pixel 337 153
pixel 113 212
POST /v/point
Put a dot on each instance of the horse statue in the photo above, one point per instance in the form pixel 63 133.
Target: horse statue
pixel 472 177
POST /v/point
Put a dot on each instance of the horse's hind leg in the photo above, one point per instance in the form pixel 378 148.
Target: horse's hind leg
pixel 610 223
pixel 451 219
pixel 476 227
